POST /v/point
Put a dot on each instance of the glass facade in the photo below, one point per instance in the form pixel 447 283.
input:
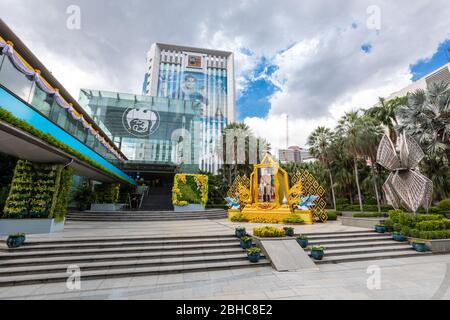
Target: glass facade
pixel 192 77
pixel 148 129
pixel 26 89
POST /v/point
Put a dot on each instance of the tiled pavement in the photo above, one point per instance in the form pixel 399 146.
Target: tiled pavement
pixel 406 278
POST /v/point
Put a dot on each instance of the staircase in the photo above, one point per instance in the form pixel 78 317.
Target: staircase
pixel 134 216
pixel 159 199
pixel 360 246
pixel 98 258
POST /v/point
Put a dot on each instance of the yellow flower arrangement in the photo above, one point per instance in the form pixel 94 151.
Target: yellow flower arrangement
pixel 201 186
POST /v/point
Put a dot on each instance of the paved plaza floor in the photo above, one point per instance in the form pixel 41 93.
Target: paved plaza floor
pixel 424 277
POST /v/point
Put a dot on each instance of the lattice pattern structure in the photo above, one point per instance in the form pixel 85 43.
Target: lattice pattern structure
pixel 241 187
pixel 311 186
pixel 405 185
pixel 295 190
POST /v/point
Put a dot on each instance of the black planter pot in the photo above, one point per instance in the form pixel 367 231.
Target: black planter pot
pixel 303 243
pixel 289 232
pixel 15 241
pixel 254 257
pixel 240 233
pixel 380 229
pixel 246 244
pixel 398 237
pixel 317 254
pixel 389 229
pixel 420 247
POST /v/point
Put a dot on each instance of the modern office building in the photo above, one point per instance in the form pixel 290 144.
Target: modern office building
pixel 152 132
pixel 200 75
pixel 294 154
pixel 438 75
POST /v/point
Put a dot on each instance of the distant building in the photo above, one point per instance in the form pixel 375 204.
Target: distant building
pixel 294 154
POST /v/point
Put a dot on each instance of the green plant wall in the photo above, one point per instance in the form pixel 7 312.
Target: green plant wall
pixel 107 193
pixel 38 191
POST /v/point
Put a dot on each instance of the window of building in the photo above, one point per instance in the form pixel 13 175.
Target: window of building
pixel 14 80
pixel 42 101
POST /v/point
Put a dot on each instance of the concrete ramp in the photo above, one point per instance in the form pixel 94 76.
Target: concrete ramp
pixel 286 255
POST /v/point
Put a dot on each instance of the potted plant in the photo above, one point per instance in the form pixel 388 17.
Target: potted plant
pixel 246 242
pixel 15 240
pixel 389 225
pixel 317 252
pixel 398 236
pixel 380 228
pixel 289 231
pixel 240 232
pixel 419 246
pixel 302 240
pixel 254 254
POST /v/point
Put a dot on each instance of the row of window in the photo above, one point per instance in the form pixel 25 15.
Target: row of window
pixel 27 90
pixel 176 58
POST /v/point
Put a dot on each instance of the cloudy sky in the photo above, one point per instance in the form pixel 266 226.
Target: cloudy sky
pixel 313 60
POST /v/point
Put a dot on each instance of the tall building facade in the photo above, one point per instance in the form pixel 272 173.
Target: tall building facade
pixel 200 75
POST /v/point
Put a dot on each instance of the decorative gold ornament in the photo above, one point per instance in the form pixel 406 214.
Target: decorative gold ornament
pixel 311 186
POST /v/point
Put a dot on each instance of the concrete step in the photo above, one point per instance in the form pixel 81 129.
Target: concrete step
pixel 337 233
pixel 149 213
pixel 365 244
pixel 130 215
pixel 128 264
pixel 140 219
pixel 351 240
pixel 370 256
pixel 130 239
pixel 71 252
pixel 375 249
pixel 120 244
pixel 345 235
pixel 115 257
pixel 130 272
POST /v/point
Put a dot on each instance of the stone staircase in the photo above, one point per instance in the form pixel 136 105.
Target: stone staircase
pixel 131 216
pixel 98 258
pixel 359 246
pixel 159 199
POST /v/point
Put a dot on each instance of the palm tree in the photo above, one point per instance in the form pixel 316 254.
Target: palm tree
pixel 320 142
pixel 385 113
pixel 367 143
pixel 426 117
pixel 350 128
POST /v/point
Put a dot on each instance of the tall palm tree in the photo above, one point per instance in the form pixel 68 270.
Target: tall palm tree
pixel 320 142
pixel 350 128
pixel 245 132
pixel 367 143
pixel 426 117
pixel 385 113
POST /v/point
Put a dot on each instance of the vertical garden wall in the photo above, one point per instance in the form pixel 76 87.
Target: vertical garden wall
pixel 38 191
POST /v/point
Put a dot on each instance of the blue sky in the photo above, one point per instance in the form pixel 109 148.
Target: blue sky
pixel 423 67
pixel 255 99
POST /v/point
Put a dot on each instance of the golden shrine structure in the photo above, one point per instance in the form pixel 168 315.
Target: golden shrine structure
pixel 267 197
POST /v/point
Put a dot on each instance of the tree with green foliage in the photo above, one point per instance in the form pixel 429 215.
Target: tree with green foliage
pixel 426 117
pixel 386 113
pixel 320 142
pixel 350 128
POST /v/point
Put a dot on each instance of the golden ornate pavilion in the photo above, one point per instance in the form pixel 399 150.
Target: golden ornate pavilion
pixel 266 195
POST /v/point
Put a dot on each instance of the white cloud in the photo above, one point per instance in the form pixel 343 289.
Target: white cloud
pixel 322 74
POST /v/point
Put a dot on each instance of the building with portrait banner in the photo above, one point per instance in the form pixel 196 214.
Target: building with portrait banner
pixel 199 75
